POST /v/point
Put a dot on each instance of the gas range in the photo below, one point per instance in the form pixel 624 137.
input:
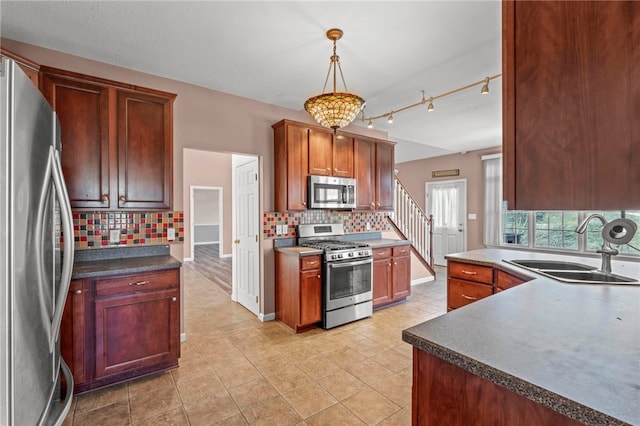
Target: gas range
pixel 328 238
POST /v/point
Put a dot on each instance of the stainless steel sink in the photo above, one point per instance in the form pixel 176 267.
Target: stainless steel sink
pixel 556 265
pixel 571 272
pixel 595 277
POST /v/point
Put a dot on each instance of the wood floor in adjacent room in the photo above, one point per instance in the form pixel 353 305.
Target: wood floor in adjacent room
pixel 236 370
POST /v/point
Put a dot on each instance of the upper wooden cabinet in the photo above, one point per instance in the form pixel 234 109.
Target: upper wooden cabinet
pixel 291 158
pixel 301 149
pixel 329 154
pixel 570 101
pixel 117 141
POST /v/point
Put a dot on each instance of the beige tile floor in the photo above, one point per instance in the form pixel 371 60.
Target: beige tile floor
pixel 236 370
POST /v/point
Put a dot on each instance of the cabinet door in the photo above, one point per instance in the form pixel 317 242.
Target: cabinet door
pixel 310 297
pixel 364 168
pixel 145 135
pixel 136 330
pixel 320 152
pixel 73 347
pixel 83 110
pixel 382 281
pixel 571 96
pixel 342 156
pixel 384 176
pixel 505 280
pixel 402 275
pixel 297 167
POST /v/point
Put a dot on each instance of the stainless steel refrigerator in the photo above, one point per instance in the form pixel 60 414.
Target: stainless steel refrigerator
pixel 35 266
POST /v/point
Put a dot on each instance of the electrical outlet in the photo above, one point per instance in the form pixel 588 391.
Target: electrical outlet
pixel 368 226
pixel 114 236
pixel 171 234
pixel 278 229
pixel 285 229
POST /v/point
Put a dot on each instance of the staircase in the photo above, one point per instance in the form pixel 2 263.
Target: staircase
pixel 410 221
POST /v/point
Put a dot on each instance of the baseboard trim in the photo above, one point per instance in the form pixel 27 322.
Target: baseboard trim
pixel 226 255
pixel 205 243
pixel 422 280
pixel 188 259
pixel 267 317
pixel 183 337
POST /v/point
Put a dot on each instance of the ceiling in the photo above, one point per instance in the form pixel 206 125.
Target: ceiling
pixel 277 52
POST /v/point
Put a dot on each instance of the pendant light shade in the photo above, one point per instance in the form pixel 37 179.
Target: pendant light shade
pixel 334 109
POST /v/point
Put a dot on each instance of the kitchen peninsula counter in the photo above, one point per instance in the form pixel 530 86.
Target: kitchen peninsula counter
pixel 572 348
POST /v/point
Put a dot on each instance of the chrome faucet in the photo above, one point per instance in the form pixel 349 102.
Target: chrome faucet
pixel 606 250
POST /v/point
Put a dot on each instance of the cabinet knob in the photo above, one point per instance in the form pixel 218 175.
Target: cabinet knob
pixel 78 292
pixel 328 169
pixel 105 198
pixel 122 199
pixel 304 203
pixel 335 170
pixel 373 204
pixel 318 275
pixel 173 299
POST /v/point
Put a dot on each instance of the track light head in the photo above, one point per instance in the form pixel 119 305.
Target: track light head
pixel 485 87
pixel 370 124
pixel 390 119
pixel 430 106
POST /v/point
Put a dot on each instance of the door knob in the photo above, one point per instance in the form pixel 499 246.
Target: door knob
pixel 236 241
pixel 460 228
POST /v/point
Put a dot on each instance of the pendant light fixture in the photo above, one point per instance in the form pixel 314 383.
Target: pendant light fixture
pixel 334 109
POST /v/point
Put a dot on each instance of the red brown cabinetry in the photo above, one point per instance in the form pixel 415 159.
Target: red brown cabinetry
pixel 329 154
pixel 117 141
pixel 373 168
pixel 468 282
pixel 391 274
pixel 298 290
pixel 291 165
pixel 120 327
pixel 30 68
pixel 570 104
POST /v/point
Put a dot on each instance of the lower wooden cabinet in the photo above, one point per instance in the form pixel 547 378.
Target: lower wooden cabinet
pixel 117 328
pixel 298 290
pixel 391 274
pixel 468 282
pixel 73 330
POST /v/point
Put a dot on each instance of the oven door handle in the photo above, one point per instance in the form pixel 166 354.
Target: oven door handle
pixel 349 263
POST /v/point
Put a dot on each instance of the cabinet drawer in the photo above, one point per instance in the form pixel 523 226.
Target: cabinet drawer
pixel 137 282
pixel 382 253
pixel 310 262
pixel 505 280
pixel 462 292
pixel 466 271
pixel 402 251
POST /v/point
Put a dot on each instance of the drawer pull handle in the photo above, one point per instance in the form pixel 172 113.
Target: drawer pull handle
pixel 173 299
pixel 469 272
pixel 78 291
pixel 312 263
pixel 469 297
pixel 318 276
pixel 140 283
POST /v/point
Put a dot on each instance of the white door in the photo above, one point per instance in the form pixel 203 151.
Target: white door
pixel 447 202
pixel 246 274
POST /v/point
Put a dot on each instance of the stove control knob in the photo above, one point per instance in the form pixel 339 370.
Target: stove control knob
pixel 340 256
pixel 351 254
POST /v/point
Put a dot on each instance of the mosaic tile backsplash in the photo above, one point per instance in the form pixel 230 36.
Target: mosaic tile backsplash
pixel 92 229
pixel 352 221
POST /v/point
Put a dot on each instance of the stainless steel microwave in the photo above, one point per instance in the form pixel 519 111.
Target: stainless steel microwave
pixel 326 192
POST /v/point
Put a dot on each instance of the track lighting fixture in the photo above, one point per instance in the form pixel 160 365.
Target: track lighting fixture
pixel 389 115
pixel 485 87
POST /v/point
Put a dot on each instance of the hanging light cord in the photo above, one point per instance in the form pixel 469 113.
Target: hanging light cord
pixel 335 59
pixel 484 81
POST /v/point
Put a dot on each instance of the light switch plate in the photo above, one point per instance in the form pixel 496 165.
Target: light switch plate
pixel 285 229
pixel 114 236
pixel 278 229
pixel 171 234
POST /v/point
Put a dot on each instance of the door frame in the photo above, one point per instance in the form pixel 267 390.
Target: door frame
pixel 192 244
pixel 464 212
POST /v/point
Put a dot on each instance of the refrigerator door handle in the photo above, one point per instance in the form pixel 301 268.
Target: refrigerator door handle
pixel 67 231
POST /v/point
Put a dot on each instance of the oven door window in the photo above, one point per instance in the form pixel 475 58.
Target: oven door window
pixel 347 279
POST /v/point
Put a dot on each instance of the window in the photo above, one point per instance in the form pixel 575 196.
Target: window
pixel 555 230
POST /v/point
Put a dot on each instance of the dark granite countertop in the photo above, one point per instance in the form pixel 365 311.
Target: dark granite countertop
pixel 122 260
pixel 574 348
